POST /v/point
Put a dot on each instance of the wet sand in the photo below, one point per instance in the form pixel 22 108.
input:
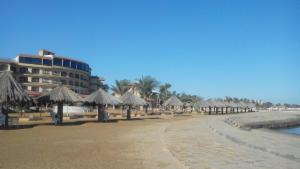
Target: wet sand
pixel 209 142
pixel 175 143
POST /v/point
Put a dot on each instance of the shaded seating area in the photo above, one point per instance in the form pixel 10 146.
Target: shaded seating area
pixel 60 95
pixel 174 105
pixel 101 99
pixel 11 93
pixel 215 107
pixel 130 101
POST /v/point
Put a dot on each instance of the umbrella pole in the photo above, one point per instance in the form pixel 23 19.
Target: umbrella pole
pixel 6 116
pixel 129 113
pixel 60 112
pixel 100 112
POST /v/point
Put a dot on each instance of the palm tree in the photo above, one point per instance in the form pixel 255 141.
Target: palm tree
pixel 146 85
pixel 164 92
pixel 104 86
pixel 121 87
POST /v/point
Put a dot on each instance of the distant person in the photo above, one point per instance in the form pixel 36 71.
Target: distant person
pixel 2 119
pixel 55 119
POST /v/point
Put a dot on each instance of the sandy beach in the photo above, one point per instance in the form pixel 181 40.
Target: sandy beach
pixel 169 143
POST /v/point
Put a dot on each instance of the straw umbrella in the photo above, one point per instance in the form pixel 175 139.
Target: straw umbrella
pixel 220 104
pixel 211 104
pixel 10 91
pixel 244 106
pixel 188 105
pixel 201 105
pixel 60 95
pixel 101 98
pixel 173 101
pixel 251 106
pixel 227 105
pixel 130 100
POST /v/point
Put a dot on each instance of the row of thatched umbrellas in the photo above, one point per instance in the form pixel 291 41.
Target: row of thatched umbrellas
pixel 61 95
pixel 12 92
pixel 219 106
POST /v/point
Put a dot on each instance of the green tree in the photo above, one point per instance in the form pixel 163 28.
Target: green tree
pixel 189 98
pixel 146 85
pixel 164 92
pixel 267 105
pixel 104 86
pixel 121 86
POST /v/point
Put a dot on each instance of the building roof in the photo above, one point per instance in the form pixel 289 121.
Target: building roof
pixel 62 57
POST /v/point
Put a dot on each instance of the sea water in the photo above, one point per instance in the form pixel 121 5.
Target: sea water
pixel 295 130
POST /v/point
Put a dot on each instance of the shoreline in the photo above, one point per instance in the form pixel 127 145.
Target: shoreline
pixel 212 143
pixel 269 120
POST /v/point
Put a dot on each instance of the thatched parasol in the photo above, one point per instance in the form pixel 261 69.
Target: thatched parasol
pixel 101 98
pixel 60 95
pixel 173 101
pixel 116 100
pixel 200 104
pixel 130 100
pixel 10 91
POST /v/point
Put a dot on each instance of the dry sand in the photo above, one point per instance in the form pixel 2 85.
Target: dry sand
pixel 177 143
pixel 118 145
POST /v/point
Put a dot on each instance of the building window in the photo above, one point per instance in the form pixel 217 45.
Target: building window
pixel 77 76
pixel 23 79
pixel 71 83
pixel 56 81
pixel 55 72
pixel 79 66
pixel 12 68
pixel 29 60
pixel 45 80
pixel 63 74
pixel 24 87
pixel 64 82
pixel 35 71
pixel 46 72
pixel 46 89
pixel 57 62
pixel 66 63
pixel 71 75
pixel 35 88
pixel 47 62
pixel 35 79
pixel 3 67
pixel 23 70
pixel 73 64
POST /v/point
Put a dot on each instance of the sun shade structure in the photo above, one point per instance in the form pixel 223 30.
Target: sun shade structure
pixel 101 98
pixel 173 101
pixel 116 100
pixel 130 100
pixel 10 91
pixel 60 95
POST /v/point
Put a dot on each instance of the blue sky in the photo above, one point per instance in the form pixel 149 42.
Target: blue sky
pixel 210 48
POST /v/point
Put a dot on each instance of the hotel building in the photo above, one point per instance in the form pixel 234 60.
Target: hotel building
pixel 41 73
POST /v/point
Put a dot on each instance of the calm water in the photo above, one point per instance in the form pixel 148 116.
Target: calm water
pixel 295 130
